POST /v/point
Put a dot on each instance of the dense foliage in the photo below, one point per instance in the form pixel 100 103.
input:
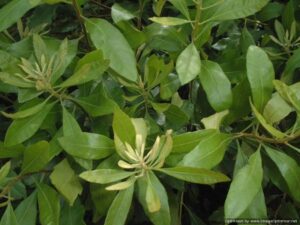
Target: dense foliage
pixel 161 112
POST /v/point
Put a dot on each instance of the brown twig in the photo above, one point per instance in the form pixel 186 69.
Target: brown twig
pixel 269 140
pixel 80 19
pixel 16 179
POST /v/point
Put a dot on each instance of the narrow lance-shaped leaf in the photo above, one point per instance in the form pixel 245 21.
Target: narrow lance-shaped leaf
pixel 288 94
pixel 119 208
pixel 14 10
pixel 122 185
pixel 116 49
pixel 244 187
pixel 188 141
pixel 26 212
pixel 209 152
pixel 4 170
pixel 72 215
pixel 9 217
pixel 22 129
pixel 169 21
pixel 70 125
pixel 260 73
pixel 88 72
pixel 257 208
pixel 97 104
pixel 123 127
pixel 119 13
pixel 230 9
pixel 15 81
pixel 87 145
pixel 27 112
pixel 36 157
pixel 188 64
pixel 276 133
pixel 162 216
pixel 289 170
pixel 195 175
pixel 181 5
pixel 214 121
pixel 152 197
pixel 105 176
pixel 49 205
pixel 216 85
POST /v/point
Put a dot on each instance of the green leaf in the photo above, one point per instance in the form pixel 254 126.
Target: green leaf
pixel 122 185
pixel 70 125
pixel 87 145
pixel 64 51
pixel 240 103
pixel 9 217
pixel 97 104
pixel 289 169
pixel 257 208
pixel 288 94
pixel 270 11
pixel 105 176
pixel 291 65
pixel 244 187
pixel 49 205
pixel 116 49
pixel 36 157
pixel 27 112
pixel 90 57
pixel 246 39
pixel 101 198
pixel 72 215
pixel 119 13
pixel 216 85
pixel 4 170
pixel 188 64
pixel 161 217
pixel 25 94
pixel 230 9
pixel 276 133
pixel 152 197
pixel 214 121
pixel 66 182
pixel 26 212
pixel 119 208
pixel 140 128
pixel 260 74
pixel 209 152
pixel 22 129
pixel 276 109
pixel 123 127
pixel 15 81
pixel 14 10
pixel 169 21
pixel 87 72
pixel 186 142
pixel 195 175
pixel 11 152
pixel 176 117
pixel 181 5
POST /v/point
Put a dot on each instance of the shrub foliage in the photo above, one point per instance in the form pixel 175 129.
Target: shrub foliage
pixel 161 112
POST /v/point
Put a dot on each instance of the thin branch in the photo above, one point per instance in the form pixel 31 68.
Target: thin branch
pixel 16 179
pixel 6 99
pixel 270 140
pixel 80 19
